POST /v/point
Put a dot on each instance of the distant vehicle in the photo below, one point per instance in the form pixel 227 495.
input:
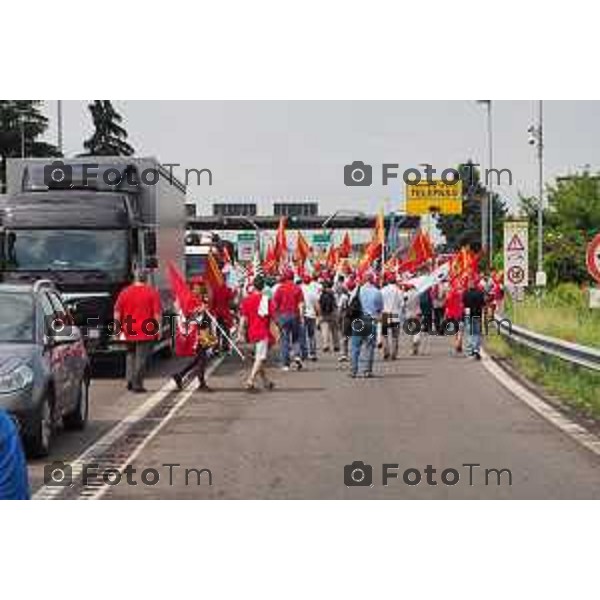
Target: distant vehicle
pixel 44 367
pixel 87 225
pixel 199 245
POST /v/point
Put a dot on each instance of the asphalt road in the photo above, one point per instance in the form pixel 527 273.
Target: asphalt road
pixel 294 442
pixel 109 403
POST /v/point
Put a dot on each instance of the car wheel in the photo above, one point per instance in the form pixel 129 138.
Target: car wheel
pixel 38 445
pixel 78 418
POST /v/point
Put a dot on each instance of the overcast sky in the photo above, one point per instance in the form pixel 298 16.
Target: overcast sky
pixel 266 150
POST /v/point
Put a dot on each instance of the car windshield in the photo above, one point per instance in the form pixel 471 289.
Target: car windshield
pixel 16 317
pixel 67 250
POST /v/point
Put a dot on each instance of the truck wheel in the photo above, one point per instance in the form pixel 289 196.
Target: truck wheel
pixel 79 417
pixel 38 444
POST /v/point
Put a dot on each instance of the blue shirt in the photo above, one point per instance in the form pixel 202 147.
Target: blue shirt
pixel 13 468
pixel 371 300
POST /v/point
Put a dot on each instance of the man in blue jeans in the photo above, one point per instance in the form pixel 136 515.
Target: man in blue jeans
pixel 363 326
pixel 474 303
pixel 288 302
pixel 13 468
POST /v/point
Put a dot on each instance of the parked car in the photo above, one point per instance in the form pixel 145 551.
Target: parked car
pixel 44 367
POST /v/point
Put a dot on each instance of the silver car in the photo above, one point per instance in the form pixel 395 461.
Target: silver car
pixel 44 367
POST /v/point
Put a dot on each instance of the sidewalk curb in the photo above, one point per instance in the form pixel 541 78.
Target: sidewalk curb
pixel 575 431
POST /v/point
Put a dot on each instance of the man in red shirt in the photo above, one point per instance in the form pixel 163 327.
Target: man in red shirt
pixel 288 303
pixel 138 311
pixel 256 312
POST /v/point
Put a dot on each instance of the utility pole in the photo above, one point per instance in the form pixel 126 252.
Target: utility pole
pixel 487 203
pixel 536 138
pixel 59 121
pixel 22 124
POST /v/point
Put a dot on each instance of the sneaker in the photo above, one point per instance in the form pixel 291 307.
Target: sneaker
pixel 285 368
pixel 178 381
pixel 368 375
pixel 477 355
pixel 352 375
pixel 298 363
pixel 343 358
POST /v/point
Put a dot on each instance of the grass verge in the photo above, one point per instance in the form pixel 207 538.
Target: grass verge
pixel 574 387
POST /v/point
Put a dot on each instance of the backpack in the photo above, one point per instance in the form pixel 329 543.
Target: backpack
pixel 327 303
pixel 354 308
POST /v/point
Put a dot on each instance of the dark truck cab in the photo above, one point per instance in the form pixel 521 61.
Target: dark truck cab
pixel 89 236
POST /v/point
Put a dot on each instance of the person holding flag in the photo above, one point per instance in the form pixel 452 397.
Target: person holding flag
pixel 192 329
pixel 257 313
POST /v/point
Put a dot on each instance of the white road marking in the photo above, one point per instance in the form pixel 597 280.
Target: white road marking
pixel 47 492
pixel 540 406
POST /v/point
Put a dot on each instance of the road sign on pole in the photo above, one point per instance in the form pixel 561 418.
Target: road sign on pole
pixel 437 196
pixel 246 245
pixel 593 258
pixel 516 254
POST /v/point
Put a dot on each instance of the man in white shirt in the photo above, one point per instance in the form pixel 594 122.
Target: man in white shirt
pixel 393 304
pixel 310 291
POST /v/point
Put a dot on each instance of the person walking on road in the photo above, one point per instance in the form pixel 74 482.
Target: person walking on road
pixel 366 307
pixel 343 299
pixel 474 304
pixel 256 319
pixel 391 318
pixel 203 341
pixel 14 483
pixel 288 304
pixel 454 315
pixel 311 314
pixel 329 318
pixel 138 310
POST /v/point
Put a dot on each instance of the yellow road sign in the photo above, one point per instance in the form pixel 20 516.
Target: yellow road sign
pixel 438 197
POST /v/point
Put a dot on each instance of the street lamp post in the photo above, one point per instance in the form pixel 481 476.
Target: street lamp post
pixel 487 220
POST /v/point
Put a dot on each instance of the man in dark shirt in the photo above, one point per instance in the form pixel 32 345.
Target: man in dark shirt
pixel 474 303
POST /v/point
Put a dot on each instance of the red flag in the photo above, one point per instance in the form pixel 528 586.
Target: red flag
pixel 302 249
pixel 214 276
pixel 185 301
pixel 332 257
pixel 420 249
pixel 281 240
pixel 345 247
pixel 186 304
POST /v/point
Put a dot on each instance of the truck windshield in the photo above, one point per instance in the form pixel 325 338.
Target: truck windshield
pixel 16 317
pixel 67 250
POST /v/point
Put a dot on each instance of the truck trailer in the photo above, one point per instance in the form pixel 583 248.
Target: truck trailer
pixel 88 224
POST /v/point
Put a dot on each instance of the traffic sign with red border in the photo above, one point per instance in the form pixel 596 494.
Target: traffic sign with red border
pixel 592 258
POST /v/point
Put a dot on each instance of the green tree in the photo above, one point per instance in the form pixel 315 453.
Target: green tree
pixel 570 223
pixel 22 119
pixel 109 137
pixel 465 229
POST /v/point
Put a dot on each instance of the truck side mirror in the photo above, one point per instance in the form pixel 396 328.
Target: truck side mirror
pixel 150 243
pixel 152 262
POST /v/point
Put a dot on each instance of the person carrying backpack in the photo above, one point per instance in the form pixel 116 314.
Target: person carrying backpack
pixel 329 318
